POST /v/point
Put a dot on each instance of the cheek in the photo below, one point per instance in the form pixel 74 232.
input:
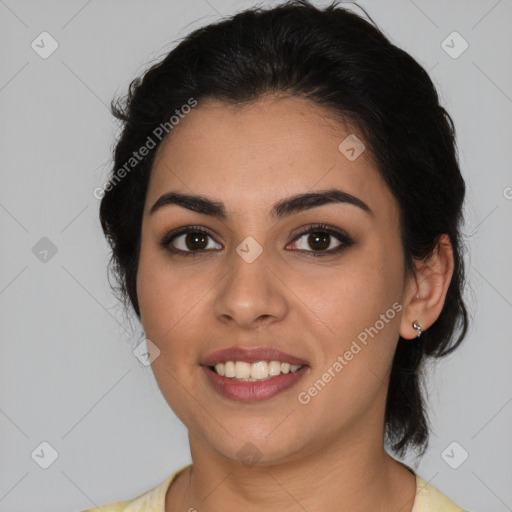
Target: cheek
pixel 167 313
pixel 350 377
pixel 360 305
pixel 352 297
pixel 164 296
pixel 170 307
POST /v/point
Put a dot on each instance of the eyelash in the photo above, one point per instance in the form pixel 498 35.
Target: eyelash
pixel 342 237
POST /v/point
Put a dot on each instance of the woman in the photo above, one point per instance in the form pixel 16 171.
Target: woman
pixel 284 214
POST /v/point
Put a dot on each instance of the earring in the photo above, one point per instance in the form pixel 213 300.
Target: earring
pixel 418 328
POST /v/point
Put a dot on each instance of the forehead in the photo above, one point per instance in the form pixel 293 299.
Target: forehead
pixel 259 152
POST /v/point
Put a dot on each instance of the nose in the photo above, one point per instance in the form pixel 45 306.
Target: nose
pixel 251 295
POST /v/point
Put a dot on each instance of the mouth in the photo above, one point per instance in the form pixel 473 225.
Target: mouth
pixel 252 375
pixel 243 371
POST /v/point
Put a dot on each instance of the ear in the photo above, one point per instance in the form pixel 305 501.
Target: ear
pixel 426 289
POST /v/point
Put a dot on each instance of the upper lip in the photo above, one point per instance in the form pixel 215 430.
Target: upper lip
pixel 251 355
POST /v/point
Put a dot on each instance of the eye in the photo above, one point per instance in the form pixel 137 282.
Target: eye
pixel 193 241
pixel 320 238
pixel 187 241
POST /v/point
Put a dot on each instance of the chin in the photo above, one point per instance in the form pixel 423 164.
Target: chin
pixel 253 446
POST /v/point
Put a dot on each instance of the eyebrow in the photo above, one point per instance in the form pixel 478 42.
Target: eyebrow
pixel 283 208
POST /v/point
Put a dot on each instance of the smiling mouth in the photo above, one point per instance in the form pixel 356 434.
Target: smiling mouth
pixel 243 371
pixel 247 388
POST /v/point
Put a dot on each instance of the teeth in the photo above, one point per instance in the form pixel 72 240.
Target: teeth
pixel 262 370
pixel 220 369
pixel 229 369
pixel 259 370
pixel 274 368
pixel 242 370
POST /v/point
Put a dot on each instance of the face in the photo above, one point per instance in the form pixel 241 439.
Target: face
pixel 321 281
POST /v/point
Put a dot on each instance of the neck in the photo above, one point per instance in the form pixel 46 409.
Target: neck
pixel 355 476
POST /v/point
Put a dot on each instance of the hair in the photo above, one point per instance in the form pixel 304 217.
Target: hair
pixel 342 62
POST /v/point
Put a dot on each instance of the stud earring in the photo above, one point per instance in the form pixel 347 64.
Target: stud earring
pixel 418 328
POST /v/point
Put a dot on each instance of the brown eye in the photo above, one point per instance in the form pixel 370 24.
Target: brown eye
pixel 322 240
pixel 188 241
pixel 319 241
pixel 196 241
pixel 191 241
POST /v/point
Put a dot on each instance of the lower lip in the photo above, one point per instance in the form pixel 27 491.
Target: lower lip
pixel 252 391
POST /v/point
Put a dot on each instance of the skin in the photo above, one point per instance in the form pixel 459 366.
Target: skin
pixel 327 454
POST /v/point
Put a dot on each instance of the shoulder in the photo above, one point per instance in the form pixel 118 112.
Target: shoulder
pixel 431 499
pixel 150 501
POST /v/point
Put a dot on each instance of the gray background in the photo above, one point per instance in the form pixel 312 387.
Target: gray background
pixel 68 373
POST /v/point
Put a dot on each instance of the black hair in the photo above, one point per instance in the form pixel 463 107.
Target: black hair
pixel 342 62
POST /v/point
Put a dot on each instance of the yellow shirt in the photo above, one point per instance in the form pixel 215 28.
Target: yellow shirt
pixel 428 499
